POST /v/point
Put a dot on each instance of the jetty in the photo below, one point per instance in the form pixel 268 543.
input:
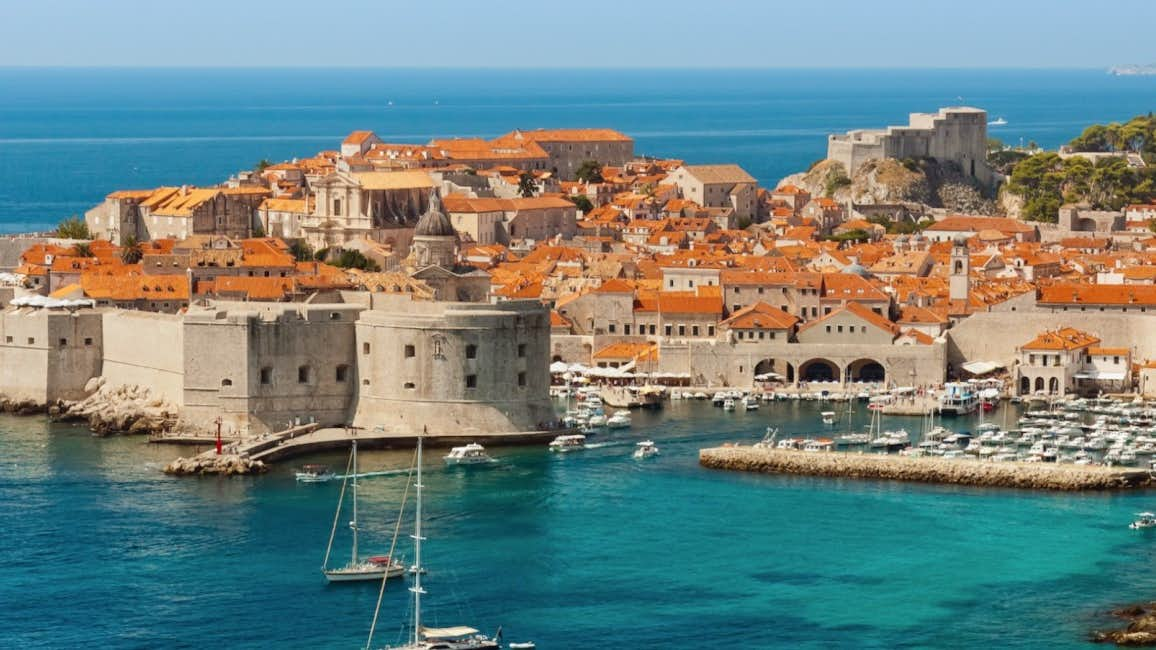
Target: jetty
pixel 1036 476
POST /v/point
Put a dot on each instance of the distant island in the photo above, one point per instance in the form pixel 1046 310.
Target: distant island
pixel 1132 70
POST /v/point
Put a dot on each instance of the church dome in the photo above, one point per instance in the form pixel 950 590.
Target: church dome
pixel 434 223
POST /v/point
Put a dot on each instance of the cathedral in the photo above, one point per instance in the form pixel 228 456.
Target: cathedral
pixel 433 259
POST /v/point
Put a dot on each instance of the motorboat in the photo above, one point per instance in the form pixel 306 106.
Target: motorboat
pixel 959 398
pixel 828 417
pixel 728 404
pixel 1145 520
pixel 750 403
pixel 315 474
pixel 571 442
pixel 471 454
pixel 999 121
pixel 718 399
pixel 645 449
pixel 598 420
pixel 521 645
pixel 620 420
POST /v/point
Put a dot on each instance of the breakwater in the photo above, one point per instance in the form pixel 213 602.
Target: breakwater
pixel 1039 476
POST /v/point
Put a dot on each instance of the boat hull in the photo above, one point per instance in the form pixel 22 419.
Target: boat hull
pixel 362 574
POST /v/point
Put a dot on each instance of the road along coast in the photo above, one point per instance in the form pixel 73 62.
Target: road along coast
pixel 1036 476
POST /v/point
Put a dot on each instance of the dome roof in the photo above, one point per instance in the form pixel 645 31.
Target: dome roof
pixel 434 223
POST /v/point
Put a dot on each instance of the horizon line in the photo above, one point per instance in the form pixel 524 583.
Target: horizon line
pixel 496 68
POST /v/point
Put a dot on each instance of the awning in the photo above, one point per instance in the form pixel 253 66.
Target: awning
pixel 1096 374
pixel 982 367
pixel 447 632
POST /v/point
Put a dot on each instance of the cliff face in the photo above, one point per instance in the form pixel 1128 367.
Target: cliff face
pixel 882 181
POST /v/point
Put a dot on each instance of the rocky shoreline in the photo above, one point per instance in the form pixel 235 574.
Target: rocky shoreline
pixel 210 464
pixel 107 410
pixel 1141 629
pixel 1038 476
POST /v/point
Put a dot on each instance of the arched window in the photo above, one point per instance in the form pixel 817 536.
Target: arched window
pixel 226 382
pixel 958 266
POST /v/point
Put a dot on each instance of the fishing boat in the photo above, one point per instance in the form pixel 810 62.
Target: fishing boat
pixel 645 449
pixel 1145 520
pixel 620 420
pixel 571 442
pixel 315 474
pixel 471 454
pixel 377 567
pixel 459 637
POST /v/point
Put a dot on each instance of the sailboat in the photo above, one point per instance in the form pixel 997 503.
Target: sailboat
pixel 458 637
pixel 377 567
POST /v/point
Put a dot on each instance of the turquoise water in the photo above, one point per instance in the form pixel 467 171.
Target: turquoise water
pixel 69 137
pixel 590 549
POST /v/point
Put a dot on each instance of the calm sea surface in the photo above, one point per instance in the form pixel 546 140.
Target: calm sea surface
pixel 590 549
pixel 68 137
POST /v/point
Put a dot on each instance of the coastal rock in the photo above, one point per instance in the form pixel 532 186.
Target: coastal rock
pixel 120 409
pixel 1141 630
pixel 224 465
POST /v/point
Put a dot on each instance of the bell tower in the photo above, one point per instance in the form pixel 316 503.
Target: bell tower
pixel 959 283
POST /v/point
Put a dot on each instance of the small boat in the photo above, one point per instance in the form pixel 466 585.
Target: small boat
pixel 645 449
pixel 728 404
pixel 597 420
pixel 572 442
pixel 521 645
pixel 750 403
pixel 828 417
pixel 1146 520
pixel 471 454
pixel 999 121
pixel 315 474
pixel 620 420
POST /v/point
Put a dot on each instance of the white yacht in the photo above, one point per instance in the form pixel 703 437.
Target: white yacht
pixel 728 404
pixel 471 454
pixel 828 417
pixel 572 442
pixel 597 420
pixel 645 449
pixel 750 403
pixel 315 474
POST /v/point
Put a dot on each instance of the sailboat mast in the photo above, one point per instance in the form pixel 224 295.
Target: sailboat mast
pixel 417 538
pixel 353 524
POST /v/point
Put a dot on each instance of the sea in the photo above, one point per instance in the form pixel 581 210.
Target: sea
pixel 68 137
pixel 593 549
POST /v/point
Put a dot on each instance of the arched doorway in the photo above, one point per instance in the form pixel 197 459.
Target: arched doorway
pixel 866 370
pixel 1039 384
pixel 1025 385
pixel 774 370
pixel 819 370
pixel 1054 386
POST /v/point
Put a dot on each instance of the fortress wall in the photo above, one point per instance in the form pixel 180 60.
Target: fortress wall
pixel 44 355
pixel 994 336
pixel 145 349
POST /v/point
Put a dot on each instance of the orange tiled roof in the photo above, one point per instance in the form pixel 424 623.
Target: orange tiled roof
pixel 760 316
pixel 1067 338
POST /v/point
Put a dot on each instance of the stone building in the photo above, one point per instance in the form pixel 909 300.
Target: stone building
pixel 434 259
pixel 382 206
pixel 456 368
pixel 48 354
pixel 956 134
pixel 567 149
pixel 718 186
pixel 176 213
pixel 1068 360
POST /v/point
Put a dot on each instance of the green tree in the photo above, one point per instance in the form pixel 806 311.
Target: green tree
pixel 262 165
pixel 835 180
pixel 82 249
pixel 590 171
pixel 355 260
pixel 258 231
pixel 301 251
pixel 131 251
pixel 526 185
pixel 73 228
pixel 582 202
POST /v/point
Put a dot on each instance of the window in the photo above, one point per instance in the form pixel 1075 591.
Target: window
pixel 365 348
pixel 760 291
pixel 609 328
pixel 471 381
pixel 266 376
pixel 762 335
pixel 7 339
pixel 409 385
pixel 653 329
pixel 839 329
pixel 364 382
pixel 342 373
pixel 1116 360
pixel 522 347
pixel 437 348
pixel 226 382
pixel 63 343
pixel 303 374
pixel 88 340
pixel 333 315
pixel 471 351
pixel 626 329
pixel 694 330
pixel 682 330
pixel 739 335
pixel 710 330
pixel 31 341
pixel 410 351
pixel 522 379
pixel 337 207
pixel 736 289
pixel 669 330
pixel 828 329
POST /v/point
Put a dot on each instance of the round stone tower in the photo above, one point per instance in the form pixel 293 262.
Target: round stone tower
pixel 435 241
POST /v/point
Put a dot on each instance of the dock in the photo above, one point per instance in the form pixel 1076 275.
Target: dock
pixel 1035 476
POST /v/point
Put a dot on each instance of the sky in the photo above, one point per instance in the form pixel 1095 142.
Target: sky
pixel 574 34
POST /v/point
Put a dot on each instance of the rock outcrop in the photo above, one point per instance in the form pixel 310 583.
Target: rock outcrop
pixel 1141 629
pixel 925 182
pixel 1038 476
pixel 119 409
pixel 225 465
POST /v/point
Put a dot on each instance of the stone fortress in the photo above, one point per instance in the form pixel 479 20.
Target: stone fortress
pixel 956 134
pixel 387 362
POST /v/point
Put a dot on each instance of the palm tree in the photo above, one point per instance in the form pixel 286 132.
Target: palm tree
pixel 131 251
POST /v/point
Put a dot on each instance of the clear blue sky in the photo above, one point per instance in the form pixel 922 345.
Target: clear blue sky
pixel 576 33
